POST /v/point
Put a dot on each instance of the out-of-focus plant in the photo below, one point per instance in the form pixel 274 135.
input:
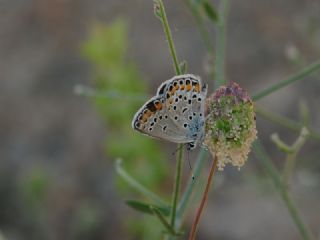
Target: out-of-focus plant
pixel 117 95
pixel 121 88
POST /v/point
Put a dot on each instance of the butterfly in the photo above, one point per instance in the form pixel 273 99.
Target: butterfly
pixel 176 112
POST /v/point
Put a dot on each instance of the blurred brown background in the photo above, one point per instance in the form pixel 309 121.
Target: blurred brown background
pixel 53 165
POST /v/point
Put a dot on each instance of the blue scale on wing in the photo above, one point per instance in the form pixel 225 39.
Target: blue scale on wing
pixel 186 105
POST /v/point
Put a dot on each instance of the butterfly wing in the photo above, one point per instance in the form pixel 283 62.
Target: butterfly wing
pixel 152 119
pixel 185 98
pixel 176 113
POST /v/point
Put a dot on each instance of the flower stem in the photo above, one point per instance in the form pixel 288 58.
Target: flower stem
pixel 201 27
pixel 165 24
pixel 282 189
pixel 176 186
pixel 291 79
pixel 193 231
pixel 285 122
pixel 192 184
pixel 221 45
pixel 168 34
pixel 136 185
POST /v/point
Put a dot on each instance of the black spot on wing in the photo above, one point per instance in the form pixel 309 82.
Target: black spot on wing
pixel 161 90
pixel 151 106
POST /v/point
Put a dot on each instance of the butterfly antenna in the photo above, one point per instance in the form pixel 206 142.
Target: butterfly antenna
pixel 175 151
pixel 188 156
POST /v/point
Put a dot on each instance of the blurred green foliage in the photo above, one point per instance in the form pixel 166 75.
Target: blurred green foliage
pixel 118 77
pixel 35 186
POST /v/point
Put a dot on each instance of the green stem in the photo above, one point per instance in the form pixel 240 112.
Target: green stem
pixel 292 157
pixel 195 224
pixel 202 29
pixel 264 159
pixel 163 220
pixel 176 186
pixel 203 32
pixel 136 185
pixel 168 34
pixel 192 184
pixel 221 45
pixel 291 79
pixel 285 122
pixel 304 231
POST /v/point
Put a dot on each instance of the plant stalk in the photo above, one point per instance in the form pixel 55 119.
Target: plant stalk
pixel 291 79
pixel 282 189
pixel 221 45
pixel 168 34
pixel 213 168
pixel 177 184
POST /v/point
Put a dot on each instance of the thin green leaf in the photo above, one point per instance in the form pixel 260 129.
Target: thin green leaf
pixel 164 222
pixel 210 11
pixel 266 162
pixel 147 207
pixel 136 185
pixel 285 122
pixel 291 79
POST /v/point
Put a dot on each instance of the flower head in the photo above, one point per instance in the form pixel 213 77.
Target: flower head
pixel 230 126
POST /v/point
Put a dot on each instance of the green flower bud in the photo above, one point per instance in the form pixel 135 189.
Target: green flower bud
pixel 230 125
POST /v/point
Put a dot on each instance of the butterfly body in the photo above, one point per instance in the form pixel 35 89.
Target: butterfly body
pixel 176 112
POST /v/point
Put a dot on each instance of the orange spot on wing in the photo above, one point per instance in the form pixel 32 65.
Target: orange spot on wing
pixel 182 87
pixel 188 87
pixel 197 88
pixel 158 105
pixel 146 115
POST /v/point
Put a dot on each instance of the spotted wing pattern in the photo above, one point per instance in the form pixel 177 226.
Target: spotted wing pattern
pixel 176 113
